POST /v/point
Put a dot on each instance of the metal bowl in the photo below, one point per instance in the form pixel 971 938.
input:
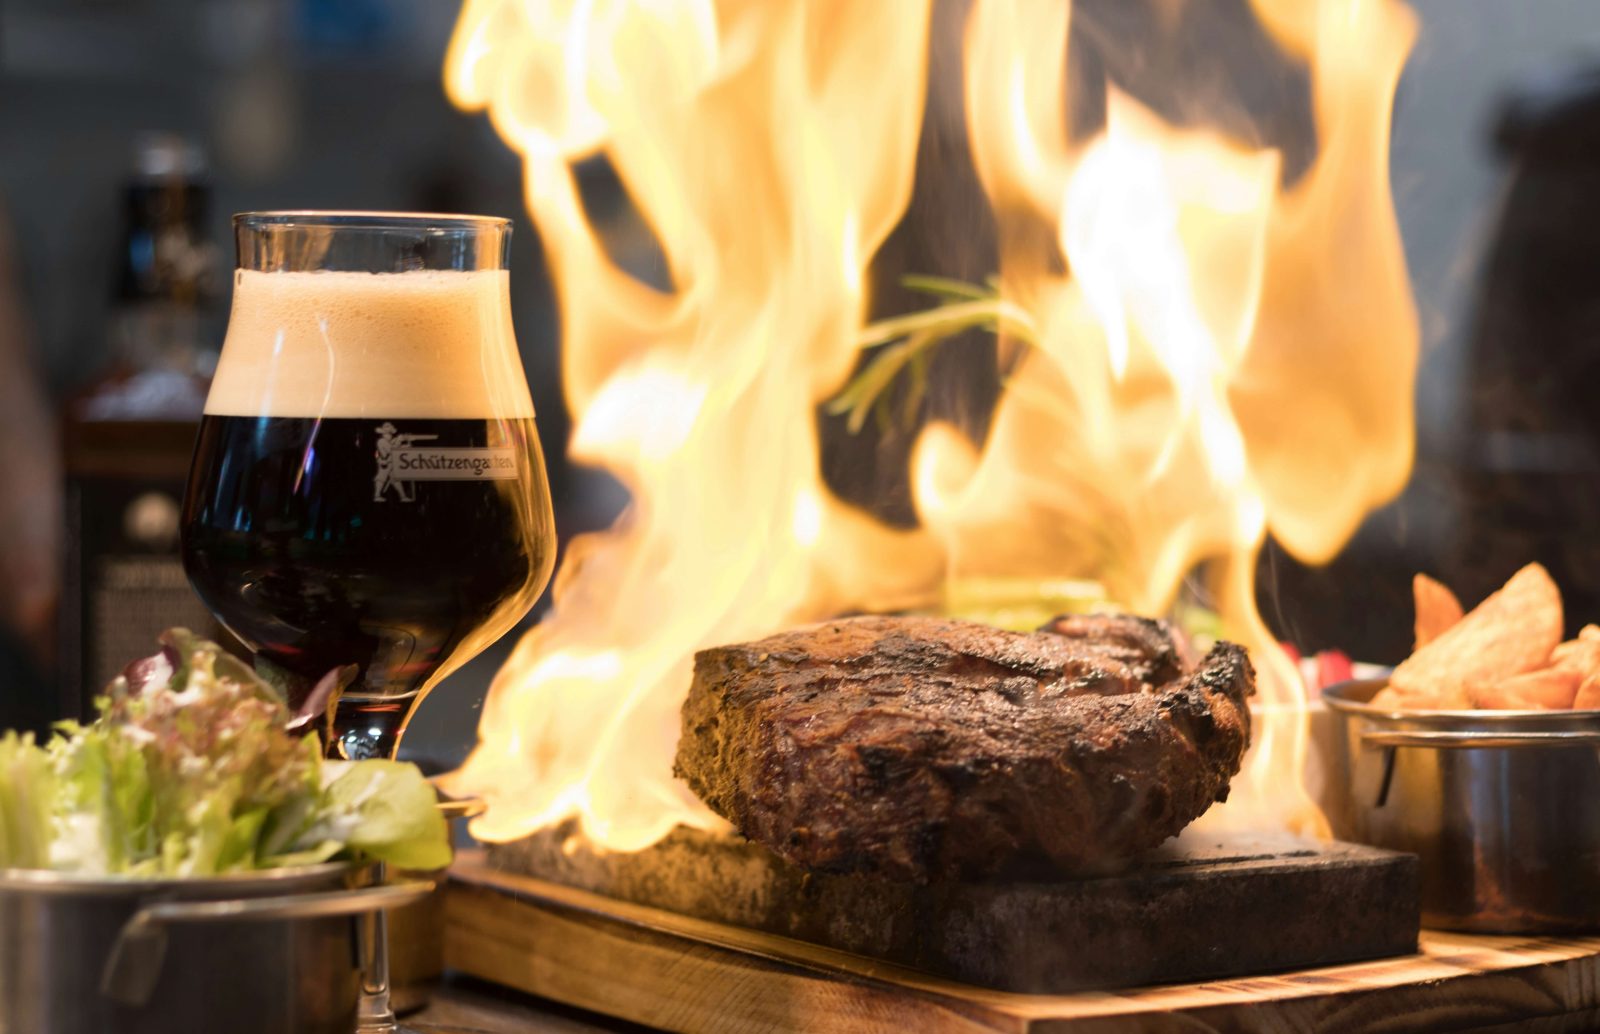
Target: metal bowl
pixel 267 951
pixel 1502 807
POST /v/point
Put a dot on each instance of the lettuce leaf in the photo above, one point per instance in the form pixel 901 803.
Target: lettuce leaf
pixel 27 795
pixel 313 855
pixel 196 766
pixel 386 810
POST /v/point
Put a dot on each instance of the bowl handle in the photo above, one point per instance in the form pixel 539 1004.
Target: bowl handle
pixel 1450 740
pixel 134 964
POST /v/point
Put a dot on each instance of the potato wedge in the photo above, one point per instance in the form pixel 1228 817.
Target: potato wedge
pixel 1447 698
pixel 1549 689
pixel 1389 699
pixel 1438 610
pixel 1581 655
pixel 1508 634
pixel 1588 698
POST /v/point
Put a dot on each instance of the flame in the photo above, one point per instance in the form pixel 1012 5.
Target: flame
pixel 1212 357
pixel 770 147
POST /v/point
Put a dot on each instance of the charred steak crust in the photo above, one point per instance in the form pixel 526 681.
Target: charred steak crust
pixel 919 748
pixel 1151 648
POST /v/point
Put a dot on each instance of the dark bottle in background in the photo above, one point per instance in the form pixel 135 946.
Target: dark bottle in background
pixel 128 433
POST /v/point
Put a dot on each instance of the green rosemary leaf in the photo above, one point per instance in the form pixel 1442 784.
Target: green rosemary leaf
pixel 916 386
pixel 872 383
pixel 944 287
pixel 946 319
pixel 905 340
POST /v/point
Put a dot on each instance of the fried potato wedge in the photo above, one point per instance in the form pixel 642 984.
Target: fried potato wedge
pixel 1443 698
pixel 1446 698
pixel 1588 698
pixel 1438 610
pixel 1510 633
pixel 1549 689
pixel 1389 699
pixel 1581 655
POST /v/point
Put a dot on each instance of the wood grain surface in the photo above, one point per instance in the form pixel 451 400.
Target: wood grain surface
pixel 1291 903
pixel 676 973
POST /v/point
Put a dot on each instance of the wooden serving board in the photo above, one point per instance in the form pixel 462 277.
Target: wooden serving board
pixel 677 973
pixel 1290 904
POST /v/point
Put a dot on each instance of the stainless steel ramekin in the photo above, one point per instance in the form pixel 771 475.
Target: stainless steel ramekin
pixel 1503 807
pixel 265 953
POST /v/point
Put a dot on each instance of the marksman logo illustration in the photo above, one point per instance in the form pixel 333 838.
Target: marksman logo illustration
pixel 389 444
pixel 400 462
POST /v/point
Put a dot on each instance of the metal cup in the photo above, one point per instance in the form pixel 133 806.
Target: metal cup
pixel 268 952
pixel 1502 807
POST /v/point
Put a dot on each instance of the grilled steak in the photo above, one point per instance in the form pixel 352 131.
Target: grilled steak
pixel 1150 649
pixel 919 748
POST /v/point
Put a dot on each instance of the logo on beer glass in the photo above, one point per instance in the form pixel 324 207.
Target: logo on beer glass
pixel 402 461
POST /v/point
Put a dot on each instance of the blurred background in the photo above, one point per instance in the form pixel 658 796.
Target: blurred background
pixel 130 130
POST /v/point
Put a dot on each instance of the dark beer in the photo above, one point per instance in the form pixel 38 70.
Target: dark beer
pixel 384 544
pixel 367 487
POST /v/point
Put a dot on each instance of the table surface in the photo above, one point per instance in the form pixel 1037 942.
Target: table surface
pixel 462 1005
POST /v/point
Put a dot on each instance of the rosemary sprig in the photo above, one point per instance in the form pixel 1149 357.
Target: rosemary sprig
pixel 947 287
pixel 906 344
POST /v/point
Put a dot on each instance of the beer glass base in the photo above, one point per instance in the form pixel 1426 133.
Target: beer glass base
pixel 378 1023
pixel 423 1028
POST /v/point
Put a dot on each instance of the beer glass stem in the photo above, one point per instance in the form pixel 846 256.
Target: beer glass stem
pixel 362 729
pixel 374 1014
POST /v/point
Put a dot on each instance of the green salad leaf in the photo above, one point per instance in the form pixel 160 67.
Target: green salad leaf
pixel 385 809
pixel 27 789
pixel 193 767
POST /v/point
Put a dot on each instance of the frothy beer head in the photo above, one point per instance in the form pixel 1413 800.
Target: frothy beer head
pixel 426 344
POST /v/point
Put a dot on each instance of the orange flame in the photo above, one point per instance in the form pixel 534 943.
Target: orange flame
pixel 1211 357
pixel 770 147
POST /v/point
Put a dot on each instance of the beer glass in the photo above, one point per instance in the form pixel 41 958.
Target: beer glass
pixel 367 507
